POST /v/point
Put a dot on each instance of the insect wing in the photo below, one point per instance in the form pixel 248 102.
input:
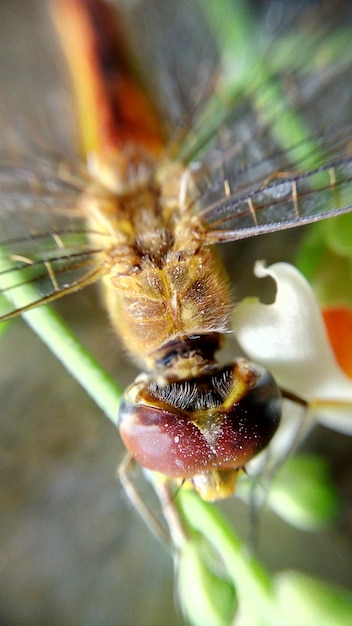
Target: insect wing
pixel 282 196
pixel 282 154
pixel 45 251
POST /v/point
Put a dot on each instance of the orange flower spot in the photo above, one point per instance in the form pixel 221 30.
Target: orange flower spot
pixel 338 322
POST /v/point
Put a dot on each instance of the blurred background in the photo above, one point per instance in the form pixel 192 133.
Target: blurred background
pixel 72 550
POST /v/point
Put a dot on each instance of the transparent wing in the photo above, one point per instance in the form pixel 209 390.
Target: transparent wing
pixel 43 186
pixel 279 192
pixel 282 155
pixel 65 264
pixel 46 250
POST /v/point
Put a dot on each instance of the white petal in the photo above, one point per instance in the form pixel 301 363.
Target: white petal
pixel 290 339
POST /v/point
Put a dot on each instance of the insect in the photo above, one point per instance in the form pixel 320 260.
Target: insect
pixel 144 219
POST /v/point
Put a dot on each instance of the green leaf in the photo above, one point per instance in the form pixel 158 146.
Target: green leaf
pixel 338 233
pixel 325 258
pixel 303 494
pixel 252 583
pixel 207 598
pixel 310 602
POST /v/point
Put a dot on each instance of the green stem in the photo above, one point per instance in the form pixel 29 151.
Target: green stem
pixel 62 342
pixel 252 583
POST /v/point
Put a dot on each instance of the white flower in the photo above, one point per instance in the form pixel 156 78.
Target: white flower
pixel 289 338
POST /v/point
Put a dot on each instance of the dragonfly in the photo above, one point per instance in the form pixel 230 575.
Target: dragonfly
pixel 144 214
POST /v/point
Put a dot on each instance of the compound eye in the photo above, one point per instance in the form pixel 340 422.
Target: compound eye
pixel 217 421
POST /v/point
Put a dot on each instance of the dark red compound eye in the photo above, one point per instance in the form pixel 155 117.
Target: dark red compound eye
pixel 218 421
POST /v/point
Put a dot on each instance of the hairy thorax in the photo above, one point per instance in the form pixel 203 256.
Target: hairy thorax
pixel 165 283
